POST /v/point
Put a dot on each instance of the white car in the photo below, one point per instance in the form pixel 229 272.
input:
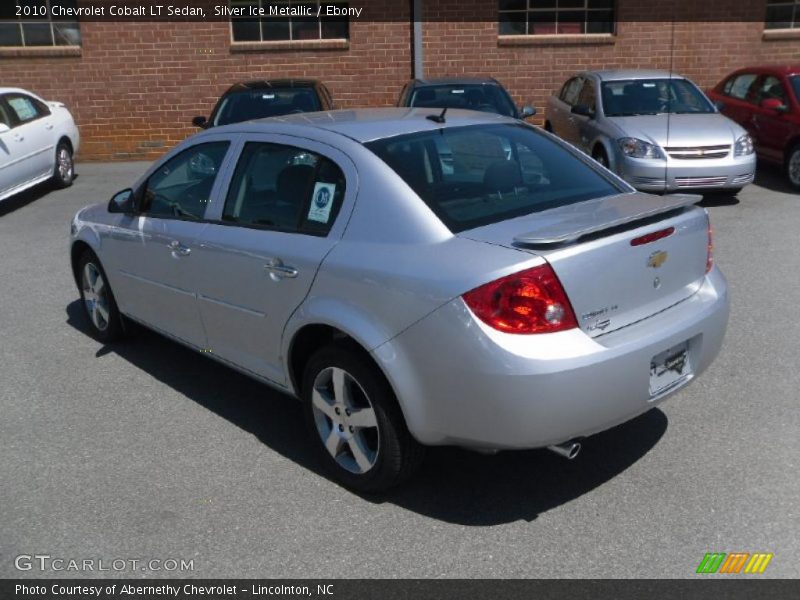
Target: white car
pixel 38 141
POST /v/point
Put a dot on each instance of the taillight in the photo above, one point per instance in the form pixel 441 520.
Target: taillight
pixel 710 249
pixel 531 301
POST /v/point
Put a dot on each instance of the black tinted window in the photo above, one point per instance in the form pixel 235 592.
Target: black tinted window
pixel 476 175
pixel 739 86
pixel 485 98
pixel 181 187
pixel 259 104
pixel 284 188
pixel 795 81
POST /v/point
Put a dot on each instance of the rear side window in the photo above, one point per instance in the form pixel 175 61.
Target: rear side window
pixel 481 174
pixel 26 108
pixel 738 86
pixel 284 188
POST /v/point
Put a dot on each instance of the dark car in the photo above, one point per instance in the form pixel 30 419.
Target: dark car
pixel 766 102
pixel 482 94
pixel 267 98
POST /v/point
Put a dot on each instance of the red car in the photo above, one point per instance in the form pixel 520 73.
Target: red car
pixel 766 102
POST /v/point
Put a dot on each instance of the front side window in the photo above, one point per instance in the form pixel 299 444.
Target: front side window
pixel 770 87
pixel 39 23
pixel 481 174
pixel 485 98
pixel 549 17
pixel 587 97
pixel 284 188
pixel 782 14
pixel 237 107
pixel 283 20
pixel 181 187
pixel 652 97
pixel 795 81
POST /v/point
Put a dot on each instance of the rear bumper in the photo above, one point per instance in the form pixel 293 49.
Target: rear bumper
pixel 460 382
pixel 670 175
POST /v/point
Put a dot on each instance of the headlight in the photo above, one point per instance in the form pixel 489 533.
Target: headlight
pixel 636 148
pixel 743 146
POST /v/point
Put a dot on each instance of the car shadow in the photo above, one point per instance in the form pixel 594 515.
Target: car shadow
pixel 454 485
pixel 29 196
pixel 773 178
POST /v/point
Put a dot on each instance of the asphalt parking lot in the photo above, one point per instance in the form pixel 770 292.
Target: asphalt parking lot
pixel 146 450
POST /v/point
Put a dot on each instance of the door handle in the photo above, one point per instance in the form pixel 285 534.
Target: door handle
pixel 48 126
pixel 19 138
pixel 277 270
pixel 177 248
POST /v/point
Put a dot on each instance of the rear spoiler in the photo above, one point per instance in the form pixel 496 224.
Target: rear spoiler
pixel 608 213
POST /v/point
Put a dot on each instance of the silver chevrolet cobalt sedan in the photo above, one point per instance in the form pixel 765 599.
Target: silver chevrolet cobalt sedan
pixel 415 277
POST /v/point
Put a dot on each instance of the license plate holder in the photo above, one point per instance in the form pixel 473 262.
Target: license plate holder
pixel 669 369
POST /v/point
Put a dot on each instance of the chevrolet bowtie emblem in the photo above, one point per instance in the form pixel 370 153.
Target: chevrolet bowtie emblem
pixel 657 259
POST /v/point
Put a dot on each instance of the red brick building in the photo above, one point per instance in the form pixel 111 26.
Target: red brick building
pixel 135 86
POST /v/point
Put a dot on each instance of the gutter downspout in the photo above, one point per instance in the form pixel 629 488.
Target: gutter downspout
pixel 416 38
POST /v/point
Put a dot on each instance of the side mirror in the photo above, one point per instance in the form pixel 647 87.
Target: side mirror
pixel 773 104
pixel 4 128
pixel 122 202
pixel 582 110
pixel 527 111
pixel 719 105
pixel 201 122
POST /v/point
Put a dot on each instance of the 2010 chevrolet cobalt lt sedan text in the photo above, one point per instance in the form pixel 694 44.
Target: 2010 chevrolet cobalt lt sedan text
pixel 415 278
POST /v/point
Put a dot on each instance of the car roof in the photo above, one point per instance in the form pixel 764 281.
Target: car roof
pixel 10 90
pixel 780 69
pixel 455 81
pixel 265 84
pixel 628 74
pixel 366 124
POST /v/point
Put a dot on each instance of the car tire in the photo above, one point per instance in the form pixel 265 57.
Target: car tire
pixel 64 171
pixel 599 155
pixel 355 422
pixel 793 167
pixel 97 300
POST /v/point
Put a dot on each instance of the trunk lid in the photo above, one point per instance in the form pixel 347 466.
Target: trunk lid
pixel 610 282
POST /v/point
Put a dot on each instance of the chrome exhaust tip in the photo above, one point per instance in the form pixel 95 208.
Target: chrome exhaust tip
pixel 568 450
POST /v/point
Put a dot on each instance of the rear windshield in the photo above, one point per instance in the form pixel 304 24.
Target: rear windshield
pixel 481 174
pixel 485 98
pixel 258 104
pixel 652 97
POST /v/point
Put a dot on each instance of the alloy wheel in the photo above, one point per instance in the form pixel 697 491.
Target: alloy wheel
pixel 65 164
pixel 345 420
pixel 794 168
pixel 95 296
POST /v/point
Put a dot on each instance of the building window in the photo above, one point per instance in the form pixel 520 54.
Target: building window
pixel 782 14
pixel 31 23
pixel 290 20
pixel 548 17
